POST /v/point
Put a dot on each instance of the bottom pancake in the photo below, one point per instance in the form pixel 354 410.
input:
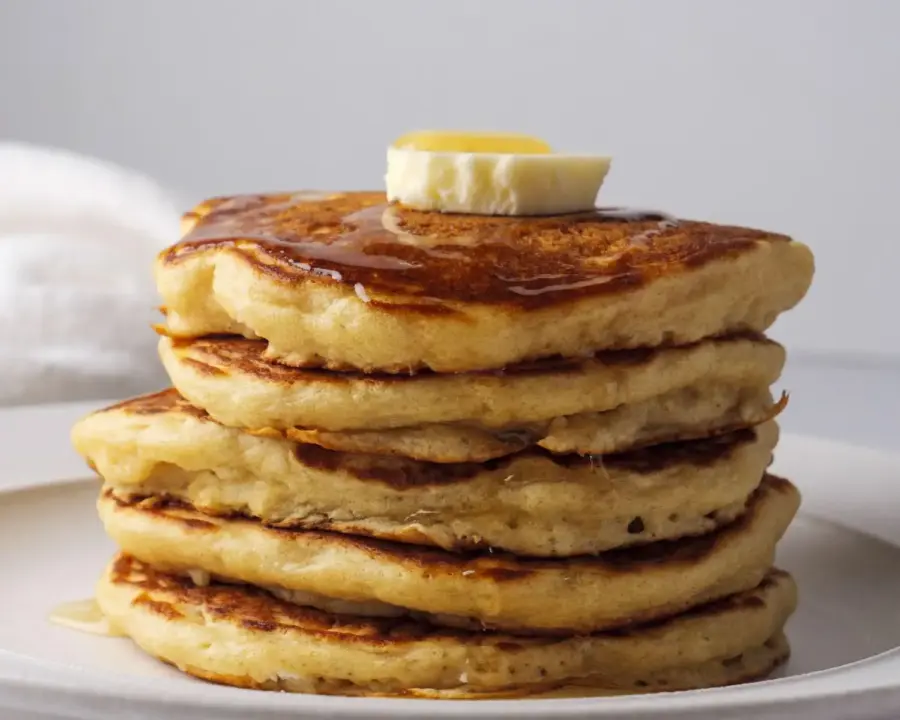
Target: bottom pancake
pixel 238 635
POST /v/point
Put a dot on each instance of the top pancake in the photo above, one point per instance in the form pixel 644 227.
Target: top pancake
pixel 346 280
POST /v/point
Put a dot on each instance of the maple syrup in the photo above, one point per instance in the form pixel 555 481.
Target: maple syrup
pixel 84 616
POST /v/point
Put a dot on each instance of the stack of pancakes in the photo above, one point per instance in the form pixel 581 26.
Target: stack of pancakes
pixel 454 456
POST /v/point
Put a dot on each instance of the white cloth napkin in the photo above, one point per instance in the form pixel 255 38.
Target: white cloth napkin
pixel 77 242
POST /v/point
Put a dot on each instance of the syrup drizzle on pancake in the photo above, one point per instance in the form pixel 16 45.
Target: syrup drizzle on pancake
pixel 361 240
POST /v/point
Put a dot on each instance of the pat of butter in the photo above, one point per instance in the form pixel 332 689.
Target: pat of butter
pixel 472 142
pixel 490 174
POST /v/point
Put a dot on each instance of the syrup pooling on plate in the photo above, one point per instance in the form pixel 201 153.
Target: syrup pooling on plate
pixel 360 240
pixel 84 616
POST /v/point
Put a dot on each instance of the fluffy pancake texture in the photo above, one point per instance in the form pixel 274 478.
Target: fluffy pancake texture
pixel 531 503
pixel 242 636
pixel 231 379
pixel 434 455
pixel 347 281
pixel 495 590
pixel 686 414
pixel 690 413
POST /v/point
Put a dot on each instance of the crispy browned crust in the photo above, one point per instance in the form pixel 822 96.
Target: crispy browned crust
pixel 170 596
pixel 399 472
pixel 223 355
pixel 496 566
pixel 257 609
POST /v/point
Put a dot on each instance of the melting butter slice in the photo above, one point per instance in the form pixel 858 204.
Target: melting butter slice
pixel 472 142
pixel 490 174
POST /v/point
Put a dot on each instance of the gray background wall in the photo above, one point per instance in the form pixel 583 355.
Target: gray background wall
pixel 779 113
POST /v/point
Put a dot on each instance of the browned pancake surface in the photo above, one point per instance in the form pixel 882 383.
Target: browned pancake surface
pixel 358 238
pixel 226 354
pixel 400 472
pixel 498 566
pixel 301 649
pixel 259 610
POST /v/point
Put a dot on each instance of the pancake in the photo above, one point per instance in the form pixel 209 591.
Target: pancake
pixel 531 503
pixel 243 636
pixel 232 381
pixel 686 414
pixel 345 280
pixel 697 411
pixel 493 590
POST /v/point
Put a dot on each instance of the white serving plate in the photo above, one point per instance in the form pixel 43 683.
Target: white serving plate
pixel 844 550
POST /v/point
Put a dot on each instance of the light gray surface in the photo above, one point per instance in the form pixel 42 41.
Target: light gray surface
pixel 851 400
pixel 777 113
